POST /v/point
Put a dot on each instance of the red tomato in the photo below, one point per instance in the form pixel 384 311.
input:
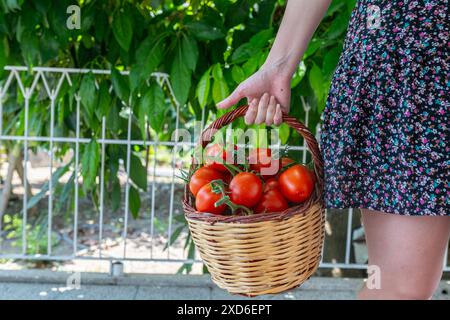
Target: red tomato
pixel 272 201
pixel 216 155
pixel 201 177
pixel 286 161
pixel 260 160
pixel 296 183
pixel 271 184
pixel 206 198
pixel 246 189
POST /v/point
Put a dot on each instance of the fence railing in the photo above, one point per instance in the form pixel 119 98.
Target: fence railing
pixel 155 217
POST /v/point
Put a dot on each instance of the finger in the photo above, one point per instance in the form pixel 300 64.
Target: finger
pixel 278 118
pixel 262 108
pixel 271 112
pixel 232 99
pixel 251 112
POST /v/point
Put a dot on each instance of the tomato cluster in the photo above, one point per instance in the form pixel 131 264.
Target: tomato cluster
pixel 262 184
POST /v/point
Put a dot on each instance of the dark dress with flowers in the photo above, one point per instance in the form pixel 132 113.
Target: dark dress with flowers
pixel 385 136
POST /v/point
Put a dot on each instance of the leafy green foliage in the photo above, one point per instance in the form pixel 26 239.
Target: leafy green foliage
pixel 88 96
pixel 203 88
pixel 153 106
pixel 89 164
pixel 123 28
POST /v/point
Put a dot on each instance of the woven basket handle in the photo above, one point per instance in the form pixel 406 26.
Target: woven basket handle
pixel 311 141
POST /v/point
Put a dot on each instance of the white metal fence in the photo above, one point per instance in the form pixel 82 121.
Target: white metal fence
pixel 40 83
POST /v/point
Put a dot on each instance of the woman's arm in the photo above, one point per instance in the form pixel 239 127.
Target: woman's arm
pixel 268 90
pixel 300 20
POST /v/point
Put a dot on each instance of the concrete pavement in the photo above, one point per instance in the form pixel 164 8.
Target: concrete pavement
pixel 49 285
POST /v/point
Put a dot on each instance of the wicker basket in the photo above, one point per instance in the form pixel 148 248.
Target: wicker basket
pixel 262 253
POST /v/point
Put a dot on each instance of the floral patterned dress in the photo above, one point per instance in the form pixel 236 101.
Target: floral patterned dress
pixel 385 136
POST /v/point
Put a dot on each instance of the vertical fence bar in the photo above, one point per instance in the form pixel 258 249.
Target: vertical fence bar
pixel 1 134
pixel 25 173
pixel 318 128
pixel 152 215
pixel 172 190
pixel 324 243
pixel 348 241
pixel 127 187
pixel 50 182
pixel 77 159
pixel 1 115
pixel 102 188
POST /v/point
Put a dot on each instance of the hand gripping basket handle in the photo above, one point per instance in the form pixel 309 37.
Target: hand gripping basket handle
pixel 311 141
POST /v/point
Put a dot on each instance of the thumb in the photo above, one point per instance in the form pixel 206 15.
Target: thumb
pixel 232 99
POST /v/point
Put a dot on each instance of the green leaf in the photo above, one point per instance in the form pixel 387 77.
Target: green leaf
pixel 334 7
pixel 217 72
pixel 256 43
pixel 153 106
pixel 243 53
pixel 316 82
pixel 203 31
pixel 87 95
pixel 237 74
pixel 299 74
pixel 284 131
pixel 29 46
pixel 203 88
pixel 189 50
pixel 138 174
pixel 4 52
pixel 330 61
pixel 220 88
pixel 120 85
pixel 251 65
pixel 42 5
pixel 261 39
pixel 174 236
pixel 113 118
pixel 313 46
pixel 180 76
pixel 338 26
pixel 101 25
pixel 122 27
pixel 57 174
pixel 134 202
pixel 104 101
pixel 148 57
pixel 66 193
pixel 136 77
pixel 115 194
pixel 11 5
pixel 89 164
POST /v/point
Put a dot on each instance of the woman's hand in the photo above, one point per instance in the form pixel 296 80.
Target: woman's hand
pixel 268 91
pixel 268 94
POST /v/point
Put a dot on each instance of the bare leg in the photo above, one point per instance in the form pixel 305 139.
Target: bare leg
pixel 409 250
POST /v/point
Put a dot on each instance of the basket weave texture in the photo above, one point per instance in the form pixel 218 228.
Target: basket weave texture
pixel 263 253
